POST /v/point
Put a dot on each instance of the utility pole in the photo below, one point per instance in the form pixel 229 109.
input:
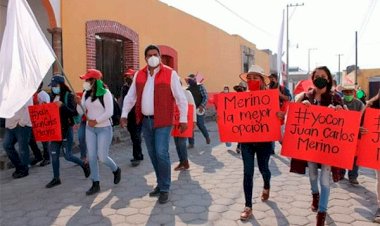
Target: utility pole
pixel 308 59
pixel 339 73
pixel 287 39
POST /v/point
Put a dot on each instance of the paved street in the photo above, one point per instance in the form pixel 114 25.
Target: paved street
pixel 210 193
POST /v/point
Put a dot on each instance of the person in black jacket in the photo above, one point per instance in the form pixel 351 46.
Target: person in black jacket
pixel 64 99
pixel 133 128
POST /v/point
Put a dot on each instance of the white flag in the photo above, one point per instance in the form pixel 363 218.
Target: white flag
pixel 25 58
pixel 279 51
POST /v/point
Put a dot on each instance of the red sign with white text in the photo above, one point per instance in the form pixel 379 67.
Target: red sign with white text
pixel 190 123
pixel 46 123
pixel 248 116
pixel 322 135
pixel 369 144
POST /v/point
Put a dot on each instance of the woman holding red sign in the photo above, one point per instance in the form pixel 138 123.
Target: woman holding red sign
pixel 321 95
pixel 256 80
pixel 64 99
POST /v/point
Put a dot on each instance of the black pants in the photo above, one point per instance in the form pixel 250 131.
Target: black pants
pixel 135 132
pixel 35 149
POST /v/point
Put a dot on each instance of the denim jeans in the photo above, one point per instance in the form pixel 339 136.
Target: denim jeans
pixel 66 145
pixel 378 187
pixel 157 143
pixel 202 128
pixel 82 140
pixel 20 135
pixel 263 152
pixel 324 183
pixel 180 146
pixel 98 140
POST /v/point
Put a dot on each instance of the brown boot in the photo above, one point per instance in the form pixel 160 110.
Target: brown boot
pixel 321 217
pixel 314 204
pixel 179 167
pixel 185 164
pixel 265 195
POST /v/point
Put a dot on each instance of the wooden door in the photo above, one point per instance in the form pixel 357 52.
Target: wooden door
pixel 110 61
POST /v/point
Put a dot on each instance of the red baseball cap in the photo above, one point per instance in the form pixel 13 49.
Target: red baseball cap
pixel 129 73
pixel 92 73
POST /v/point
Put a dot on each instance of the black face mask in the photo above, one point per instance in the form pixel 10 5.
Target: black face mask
pixel 320 82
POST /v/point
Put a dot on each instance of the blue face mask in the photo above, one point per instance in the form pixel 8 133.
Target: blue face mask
pixel 56 90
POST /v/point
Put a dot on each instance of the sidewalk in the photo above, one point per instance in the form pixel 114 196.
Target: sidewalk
pixel 210 193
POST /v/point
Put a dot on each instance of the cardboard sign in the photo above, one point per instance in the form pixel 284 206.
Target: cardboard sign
pixel 369 144
pixel 46 123
pixel 248 116
pixel 320 134
pixel 190 123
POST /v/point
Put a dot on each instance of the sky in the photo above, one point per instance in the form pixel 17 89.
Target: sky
pixel 325 28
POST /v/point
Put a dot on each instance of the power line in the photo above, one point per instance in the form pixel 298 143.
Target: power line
pixel 244 19
pixel 363 26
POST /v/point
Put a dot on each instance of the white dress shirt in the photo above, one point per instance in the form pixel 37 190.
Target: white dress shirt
pixel 147 100
pixel 21 117
pixel 190 100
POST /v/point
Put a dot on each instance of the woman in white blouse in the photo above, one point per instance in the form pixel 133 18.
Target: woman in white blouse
pixel 98 104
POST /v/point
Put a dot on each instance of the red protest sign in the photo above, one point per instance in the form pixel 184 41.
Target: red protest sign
pixel 190 123
pixel 320 134
pixel 369 144
pixel 46 123
pixel 248 116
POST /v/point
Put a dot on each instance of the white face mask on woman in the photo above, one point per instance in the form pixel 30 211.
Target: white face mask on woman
pixel 87 86
pixel 153 61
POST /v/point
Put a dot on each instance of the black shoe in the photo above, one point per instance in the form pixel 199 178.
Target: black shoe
pixel 117 176
pixel 95 188
pixel 135 162
pixel 164 197
pixel 15 172
pixel 353 181
pixel 86 170
pixel 45 162
pixel 20 174
pixel 155 192
pixel 53 183
pixel 35 161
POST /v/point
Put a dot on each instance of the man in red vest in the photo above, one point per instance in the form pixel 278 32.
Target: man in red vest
pixel 154 91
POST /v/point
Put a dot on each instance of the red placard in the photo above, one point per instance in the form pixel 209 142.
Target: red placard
pixel 320 134
pixel 248 116
pixel 46 123
pixel 190 123
pixel 369 144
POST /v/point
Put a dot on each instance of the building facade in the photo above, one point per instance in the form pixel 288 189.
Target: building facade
pixel 111 36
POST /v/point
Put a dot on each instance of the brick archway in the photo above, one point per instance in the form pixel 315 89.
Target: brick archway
pixel 167 51
pixel 131 41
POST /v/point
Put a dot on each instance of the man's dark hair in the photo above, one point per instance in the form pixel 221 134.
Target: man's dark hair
pixel 274 76
pixel 150 47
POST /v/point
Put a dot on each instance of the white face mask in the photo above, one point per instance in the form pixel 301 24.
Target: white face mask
pixel 87 86
pixel 153 61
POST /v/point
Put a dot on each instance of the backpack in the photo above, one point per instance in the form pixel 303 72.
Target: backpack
pixel 77 119
pixel 115 119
